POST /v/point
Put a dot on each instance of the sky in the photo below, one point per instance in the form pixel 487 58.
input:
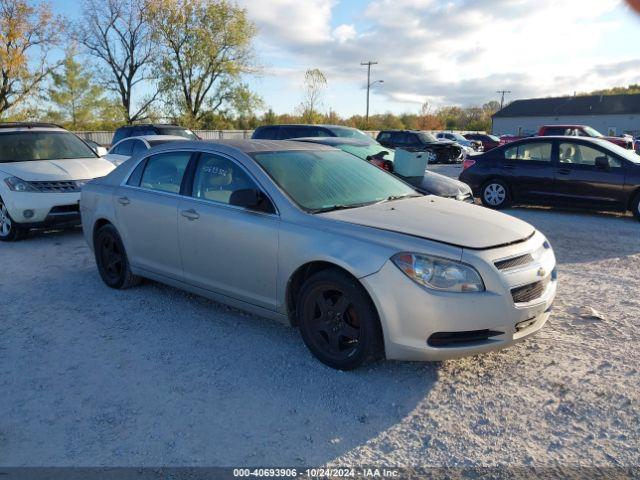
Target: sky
pixel 453 52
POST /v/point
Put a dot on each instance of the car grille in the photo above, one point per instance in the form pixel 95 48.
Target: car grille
pixel 458 339
pixel 514 262
pixel 530 292
pixel 58 187
pixel 65 209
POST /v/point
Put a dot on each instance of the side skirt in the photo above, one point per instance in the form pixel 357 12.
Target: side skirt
pixel 216 297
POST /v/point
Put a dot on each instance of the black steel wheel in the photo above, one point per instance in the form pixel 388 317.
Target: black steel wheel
pixel 338 321
pixel 111 259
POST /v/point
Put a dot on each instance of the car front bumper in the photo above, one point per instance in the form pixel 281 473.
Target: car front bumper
pixel 422 324
pixel 48 209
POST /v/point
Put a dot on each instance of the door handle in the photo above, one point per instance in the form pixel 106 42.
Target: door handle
pixel 124 200
pixel 190 214
pixel 564 171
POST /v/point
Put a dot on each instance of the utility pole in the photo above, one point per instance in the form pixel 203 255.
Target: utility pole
pixel 368 64
pixel 502 92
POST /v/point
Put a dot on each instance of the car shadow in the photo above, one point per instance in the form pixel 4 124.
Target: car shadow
pixel 156 376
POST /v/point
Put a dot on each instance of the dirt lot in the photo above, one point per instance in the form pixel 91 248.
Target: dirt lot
pixel 155 376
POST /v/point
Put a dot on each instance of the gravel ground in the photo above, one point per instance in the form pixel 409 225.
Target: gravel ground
pixel 154 376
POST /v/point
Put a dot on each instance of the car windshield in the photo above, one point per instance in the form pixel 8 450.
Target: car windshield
pixel 180 132
pixel 592 132
pixel 324 180
pixel 427 137
pixel 366 151
pixel 42 145
pixel 352 133
pixel 459 137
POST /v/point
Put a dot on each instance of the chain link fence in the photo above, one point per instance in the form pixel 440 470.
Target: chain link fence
pixel 104 138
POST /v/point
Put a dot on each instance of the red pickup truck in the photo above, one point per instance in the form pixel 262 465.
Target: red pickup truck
pixel 584 131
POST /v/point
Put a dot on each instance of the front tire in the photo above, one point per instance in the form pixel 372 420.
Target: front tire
pixel 496 194
pixel 9 230
pixel 111 258
pixel 338 321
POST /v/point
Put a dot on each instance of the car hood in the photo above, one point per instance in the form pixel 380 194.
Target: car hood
pixel 440 219
pixel 438 184
pixel 58 170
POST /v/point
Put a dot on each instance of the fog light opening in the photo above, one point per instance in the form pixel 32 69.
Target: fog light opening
pixel 27 214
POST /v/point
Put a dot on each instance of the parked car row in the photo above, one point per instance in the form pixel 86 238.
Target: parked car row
pixel 323 232
pixel 316 236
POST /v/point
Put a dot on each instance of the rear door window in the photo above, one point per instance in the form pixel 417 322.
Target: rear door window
pixel 123 148
pixel 384 137
pixel 164 171
pixel 138 147
pixel 535 152
pixel 266 133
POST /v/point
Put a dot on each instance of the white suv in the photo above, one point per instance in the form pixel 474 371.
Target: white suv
pixel 42 169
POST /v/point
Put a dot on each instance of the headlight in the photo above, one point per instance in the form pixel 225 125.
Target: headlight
pixel 439 273
pixel 18 185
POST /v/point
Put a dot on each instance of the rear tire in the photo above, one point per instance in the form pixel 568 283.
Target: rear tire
pixel 495 194
pixel 9 230
pixel 112 260
pixel 338 321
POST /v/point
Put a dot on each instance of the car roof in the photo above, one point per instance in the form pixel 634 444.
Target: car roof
pixel 254 146
pixel 306 125
pixel 332 141
pixel 564 125
pixel 25 126
pixel 150 138
pixel 155 125
pixel 573 138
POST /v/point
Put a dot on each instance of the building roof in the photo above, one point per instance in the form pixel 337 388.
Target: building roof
pixel 577 105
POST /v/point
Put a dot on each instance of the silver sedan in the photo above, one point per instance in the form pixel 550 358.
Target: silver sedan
pixel 307 234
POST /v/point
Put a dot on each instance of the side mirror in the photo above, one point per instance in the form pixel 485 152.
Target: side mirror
pixel 251 199
pixel 603 163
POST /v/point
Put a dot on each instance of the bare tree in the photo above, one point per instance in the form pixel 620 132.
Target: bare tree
pixel 117 33
pixel 314 84
pixel 27 34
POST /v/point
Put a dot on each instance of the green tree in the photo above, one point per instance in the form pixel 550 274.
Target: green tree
pixel 28 32
pixel 75 97
pixel 204 47
pixel 314 84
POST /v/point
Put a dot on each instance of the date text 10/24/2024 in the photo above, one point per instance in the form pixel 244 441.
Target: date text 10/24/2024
pixel 316 472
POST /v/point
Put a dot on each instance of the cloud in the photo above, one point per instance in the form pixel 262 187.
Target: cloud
pixel 343 33
pixel 451 51
pixel 291 22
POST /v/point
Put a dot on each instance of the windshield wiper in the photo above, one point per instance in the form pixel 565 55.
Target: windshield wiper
pixel 332 208
pixel 400 197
